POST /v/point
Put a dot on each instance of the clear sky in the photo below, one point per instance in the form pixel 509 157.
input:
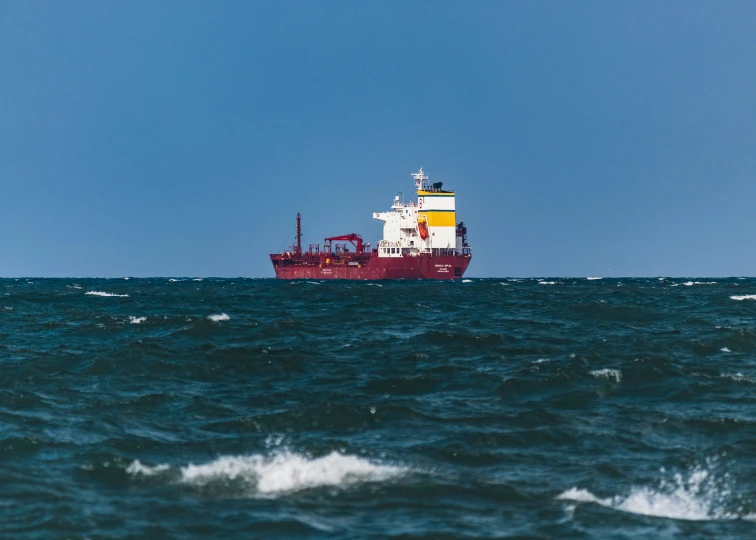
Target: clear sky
pixel 181 138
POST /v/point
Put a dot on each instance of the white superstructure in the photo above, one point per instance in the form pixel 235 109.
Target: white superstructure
pixel 427 226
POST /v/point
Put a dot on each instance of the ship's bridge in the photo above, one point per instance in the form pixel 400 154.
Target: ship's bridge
pixel 425 226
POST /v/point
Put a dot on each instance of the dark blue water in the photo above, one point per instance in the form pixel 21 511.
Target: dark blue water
pixel 562 408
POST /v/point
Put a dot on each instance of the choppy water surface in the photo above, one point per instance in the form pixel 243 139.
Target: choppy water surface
pixel 560 408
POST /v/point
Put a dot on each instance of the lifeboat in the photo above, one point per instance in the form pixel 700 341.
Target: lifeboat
pixel 422 227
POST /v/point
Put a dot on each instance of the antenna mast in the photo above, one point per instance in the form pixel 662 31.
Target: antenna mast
pixel 420 179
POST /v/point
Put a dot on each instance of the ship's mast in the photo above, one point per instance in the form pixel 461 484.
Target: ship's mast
pixel 420 179
pixel 299 234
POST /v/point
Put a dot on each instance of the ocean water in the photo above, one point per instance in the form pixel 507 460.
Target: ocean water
pixel 239 408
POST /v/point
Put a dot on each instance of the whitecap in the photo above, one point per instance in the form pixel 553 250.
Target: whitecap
pixel 699 496
pixel 744 297
pixel 582 495
pixel 197 279
pixel 614 374
pixel 738 377
pixel 100 293
pixel 285 471
pixel 137 468
pixel 725 349
pixel 467 281
pixel 219 317
pixel 593 278
pixel 136 320
pixel 174 280
pixel 691 283
pixel 547 282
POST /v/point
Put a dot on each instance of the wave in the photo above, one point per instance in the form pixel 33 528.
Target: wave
pixel 547 282
pixel 738 377
pixel 614 374
pixel 467 281
pixel 593 278
pixel 691 283
pixel 137 468
pixel 698 497
pixel 100 293
pixel 137 320
pixel 279 473
pixel 219 317
pixel 744 297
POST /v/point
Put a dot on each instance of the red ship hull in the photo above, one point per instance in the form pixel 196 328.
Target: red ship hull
pixel 369 266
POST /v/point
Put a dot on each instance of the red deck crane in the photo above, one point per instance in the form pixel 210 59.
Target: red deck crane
pixel 355 239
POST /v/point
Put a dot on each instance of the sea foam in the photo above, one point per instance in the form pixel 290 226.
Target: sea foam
pixel 100 293
pixel 738 377
pixel 744 297
pixel 699 496
pixel 613 374
pixel 137 468
pixel 137 320
pixel 278 473
pixel 287 472
pixel 219 317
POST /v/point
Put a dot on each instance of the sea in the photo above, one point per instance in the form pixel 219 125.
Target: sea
pixel 481 408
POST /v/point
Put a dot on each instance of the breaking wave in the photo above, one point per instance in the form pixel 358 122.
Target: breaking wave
pixel 100 293
pixel 613 374
pixel 137 320
pixel 699 496
pixel 219 317
pixel 281 472
pixel 137 468
pixel 738 377
pixel 744 297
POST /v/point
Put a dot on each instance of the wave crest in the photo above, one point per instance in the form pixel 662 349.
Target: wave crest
pixel 612 374
pixel 288 472
pixel 698 497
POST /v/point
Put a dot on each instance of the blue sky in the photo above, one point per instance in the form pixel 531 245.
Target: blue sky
pixel 181 138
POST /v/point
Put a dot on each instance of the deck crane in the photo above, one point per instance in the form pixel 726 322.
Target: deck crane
pixel 355 239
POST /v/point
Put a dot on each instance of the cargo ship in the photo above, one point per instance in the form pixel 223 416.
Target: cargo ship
pixel 421 240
